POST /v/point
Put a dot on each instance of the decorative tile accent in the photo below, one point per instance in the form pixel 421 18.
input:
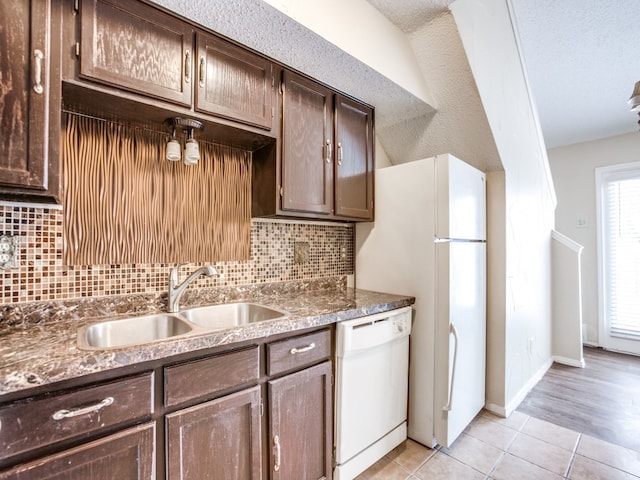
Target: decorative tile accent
pixel 301 252
pixel 41 274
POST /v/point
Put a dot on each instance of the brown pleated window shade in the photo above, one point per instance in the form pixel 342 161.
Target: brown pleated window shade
pixel 124 203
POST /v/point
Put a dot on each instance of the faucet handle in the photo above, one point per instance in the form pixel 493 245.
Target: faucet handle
pixel 173 274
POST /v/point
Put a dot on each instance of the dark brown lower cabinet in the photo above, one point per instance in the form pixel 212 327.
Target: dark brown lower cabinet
pixel 300 424
pixel 256 412
pixel 126 455
pixel 216 440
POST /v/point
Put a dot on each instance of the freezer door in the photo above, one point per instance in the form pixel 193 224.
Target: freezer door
pixel 461 199
pixel 460 337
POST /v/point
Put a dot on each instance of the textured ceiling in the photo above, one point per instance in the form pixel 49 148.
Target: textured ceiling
pixel 410 15
pixel 583 59
pixel 460 125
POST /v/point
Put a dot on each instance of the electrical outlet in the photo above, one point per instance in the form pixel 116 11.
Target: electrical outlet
pixel 8 252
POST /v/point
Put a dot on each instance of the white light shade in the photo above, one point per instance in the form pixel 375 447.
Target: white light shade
pixel 191 152
pixel 174 150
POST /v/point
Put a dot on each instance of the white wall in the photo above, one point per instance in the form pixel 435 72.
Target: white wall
pixel 573 169
pixel 529 201
pixel 566 345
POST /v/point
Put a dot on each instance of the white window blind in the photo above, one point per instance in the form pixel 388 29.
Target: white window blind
pixel 621 238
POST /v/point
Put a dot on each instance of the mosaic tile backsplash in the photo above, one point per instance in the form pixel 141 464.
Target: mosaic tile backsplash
pixel 41 274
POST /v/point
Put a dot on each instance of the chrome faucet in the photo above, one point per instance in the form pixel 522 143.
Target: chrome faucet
pixel 176 291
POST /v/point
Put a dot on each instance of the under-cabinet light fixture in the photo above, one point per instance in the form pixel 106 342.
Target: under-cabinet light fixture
pixel 634 101
pixel 191 148
pixel 174 148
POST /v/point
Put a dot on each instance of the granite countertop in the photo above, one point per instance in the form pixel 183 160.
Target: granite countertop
pixel 39 347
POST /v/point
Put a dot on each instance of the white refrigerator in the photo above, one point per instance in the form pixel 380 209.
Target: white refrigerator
pixel 429 241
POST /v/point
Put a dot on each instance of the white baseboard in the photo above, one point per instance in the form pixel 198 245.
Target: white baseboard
pixel 569 361
pixel 496 409
pixel 522 393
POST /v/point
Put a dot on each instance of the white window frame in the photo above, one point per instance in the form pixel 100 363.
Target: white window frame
pixel 602 176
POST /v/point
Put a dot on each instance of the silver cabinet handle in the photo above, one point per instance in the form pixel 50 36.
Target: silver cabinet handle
pixel 64 413
pixel 328 150
pixel 38 58
pixel 202 71
pixel 340 153
pixel 276 453
pixel 187 66
pixel 306 348
pixel 452 330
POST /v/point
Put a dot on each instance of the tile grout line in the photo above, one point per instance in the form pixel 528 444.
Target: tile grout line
pixel 573 456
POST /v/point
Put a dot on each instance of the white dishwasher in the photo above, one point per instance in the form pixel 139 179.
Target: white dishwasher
pixel 372 376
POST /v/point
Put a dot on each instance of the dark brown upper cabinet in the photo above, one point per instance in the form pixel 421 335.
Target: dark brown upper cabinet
pixel 233 83
pixel 29 104
pixel 130 45
pixel 307 144
pixel 327 164
pixel 354 159
pixel 137 48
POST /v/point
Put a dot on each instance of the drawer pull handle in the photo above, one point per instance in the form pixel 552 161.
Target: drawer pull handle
pixel 64 413
pixel 340 154
pixel 276 453
pixel 306 348
pixel 329 152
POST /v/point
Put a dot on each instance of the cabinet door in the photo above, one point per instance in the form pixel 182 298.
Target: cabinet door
pixel 301 425
pixel 233 82
pixel 307 142
pixel 216 440
pixel 24 84
pixel 128 455
pixel 131 45
pixel 354 160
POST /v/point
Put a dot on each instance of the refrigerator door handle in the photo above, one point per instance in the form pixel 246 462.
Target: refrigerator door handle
pixel 452 330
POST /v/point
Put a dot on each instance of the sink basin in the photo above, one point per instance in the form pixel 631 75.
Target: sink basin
pixel 230 315
pixel 131 331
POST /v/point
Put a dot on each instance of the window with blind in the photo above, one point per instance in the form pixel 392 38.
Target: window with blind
pixel 619 189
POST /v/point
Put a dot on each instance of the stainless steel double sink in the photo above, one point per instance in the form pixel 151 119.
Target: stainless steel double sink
pixel 144 329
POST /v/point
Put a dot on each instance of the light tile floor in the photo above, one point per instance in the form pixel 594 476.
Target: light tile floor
pixel 516 448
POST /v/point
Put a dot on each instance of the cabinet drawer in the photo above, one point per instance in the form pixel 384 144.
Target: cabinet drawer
pixel 43 421
pixel 200 378
pixel 298 352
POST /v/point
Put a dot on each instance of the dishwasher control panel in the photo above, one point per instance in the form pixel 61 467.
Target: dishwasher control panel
pixel 366 332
